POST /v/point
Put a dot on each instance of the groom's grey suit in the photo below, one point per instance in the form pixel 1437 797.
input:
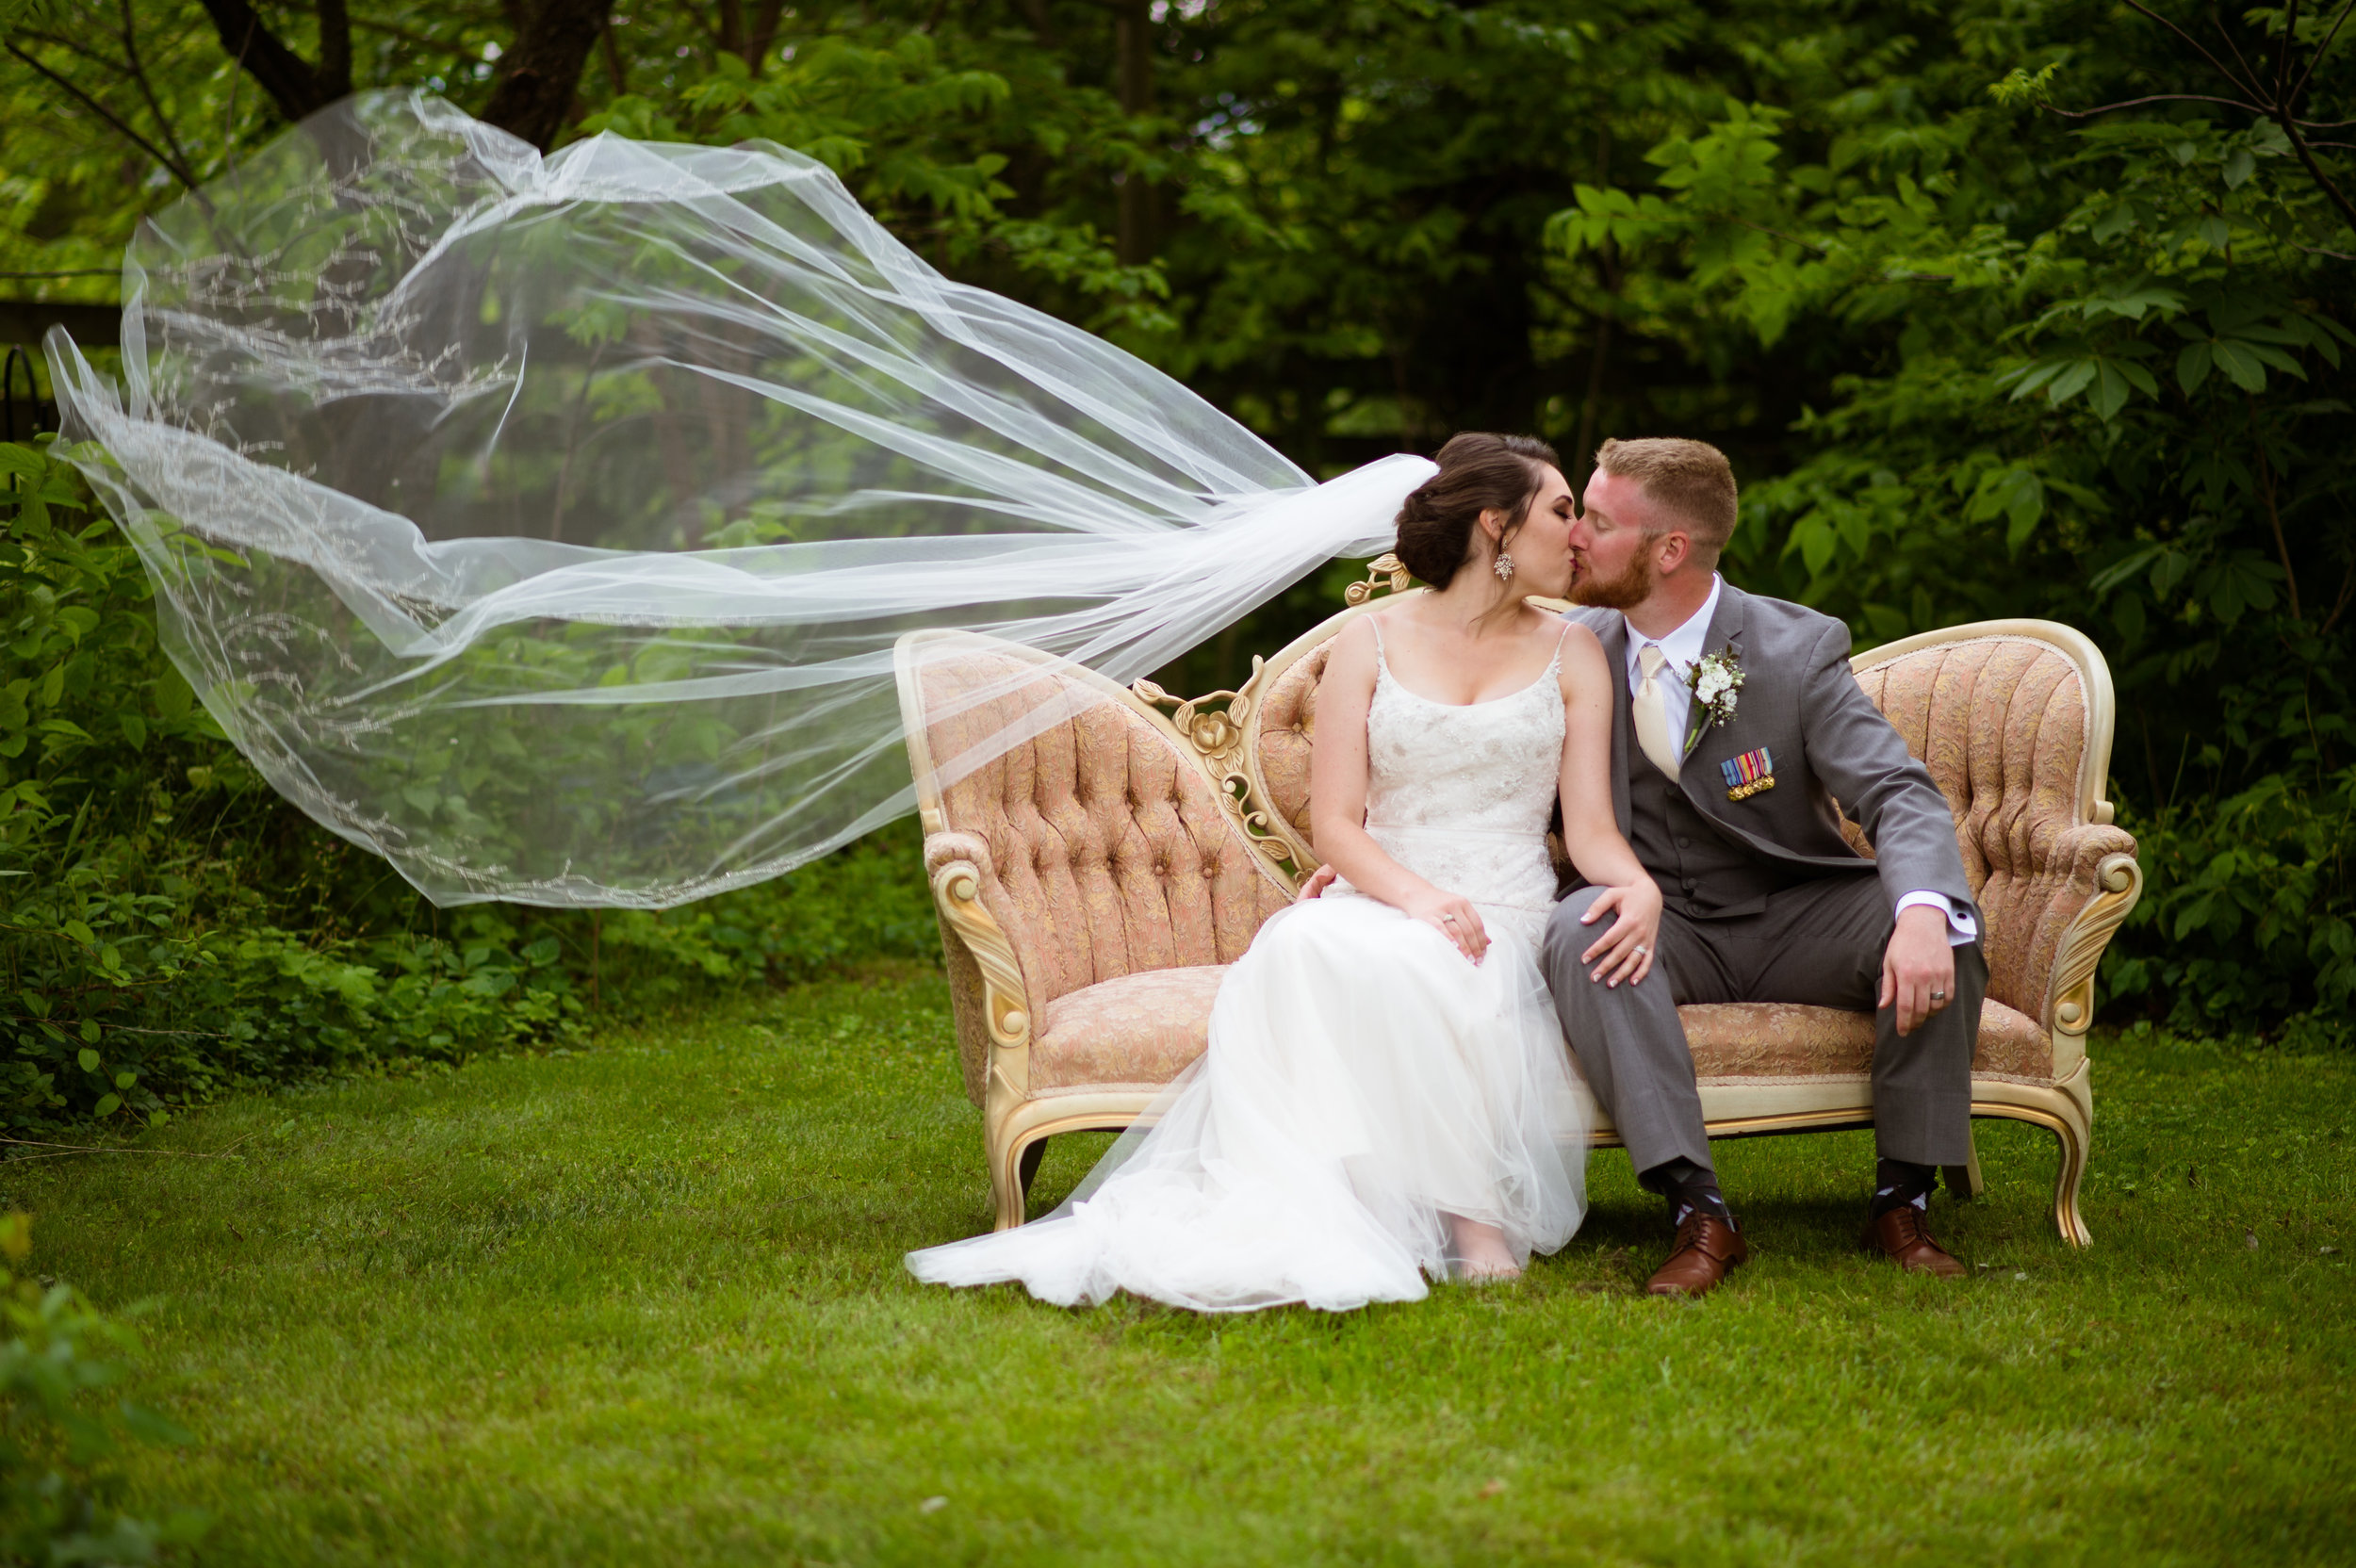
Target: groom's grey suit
pixel 1763 900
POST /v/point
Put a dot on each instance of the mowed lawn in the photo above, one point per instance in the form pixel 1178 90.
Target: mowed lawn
pixel 643 1303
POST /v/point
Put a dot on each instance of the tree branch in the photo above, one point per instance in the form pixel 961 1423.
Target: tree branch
pixel 2315 171
pixel 2347 588
pixel 286 77
pixel 2283 53
pixel 72 47
pixel 2160 98
pixel 2239 85
pixel 614 74
pixel 415 41
pixel 147 89
pixel 2274 516
pixel 178 172
pixel 2317 58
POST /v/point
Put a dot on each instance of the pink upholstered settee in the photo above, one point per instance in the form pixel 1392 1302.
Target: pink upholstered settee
pixel 1093 883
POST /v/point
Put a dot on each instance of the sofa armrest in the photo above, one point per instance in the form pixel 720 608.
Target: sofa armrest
pixel 958 867
pixel 2068 890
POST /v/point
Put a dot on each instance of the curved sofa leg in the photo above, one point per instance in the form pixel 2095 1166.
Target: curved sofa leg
pixel 1006 1181
pixel 2072 1171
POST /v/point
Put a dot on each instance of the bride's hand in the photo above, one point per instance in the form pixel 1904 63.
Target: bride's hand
pixel 1452 917
pixel 1626 951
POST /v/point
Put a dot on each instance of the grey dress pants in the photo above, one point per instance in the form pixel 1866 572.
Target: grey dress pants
pixel 1819 943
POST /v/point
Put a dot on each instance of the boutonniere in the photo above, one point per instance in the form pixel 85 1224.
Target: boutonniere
pixel 1713 682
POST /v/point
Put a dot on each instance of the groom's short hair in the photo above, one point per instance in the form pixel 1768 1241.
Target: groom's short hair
pixel 1691 478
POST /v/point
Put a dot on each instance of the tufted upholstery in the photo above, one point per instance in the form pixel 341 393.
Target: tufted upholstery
pixel 1106 852
pixel 2000 721
pixel 1288 723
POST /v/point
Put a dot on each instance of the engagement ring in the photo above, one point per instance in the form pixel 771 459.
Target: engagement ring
pixel 1642 948
pixel 1939 996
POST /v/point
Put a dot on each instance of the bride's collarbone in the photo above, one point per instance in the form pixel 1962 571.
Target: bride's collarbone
pixel 1444 666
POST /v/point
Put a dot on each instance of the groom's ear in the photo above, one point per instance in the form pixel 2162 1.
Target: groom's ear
pixel 1672 549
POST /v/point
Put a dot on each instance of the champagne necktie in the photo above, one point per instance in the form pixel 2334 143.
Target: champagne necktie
pixel 1651 713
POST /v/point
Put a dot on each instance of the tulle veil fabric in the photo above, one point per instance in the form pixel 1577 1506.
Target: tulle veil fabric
pixel 546 525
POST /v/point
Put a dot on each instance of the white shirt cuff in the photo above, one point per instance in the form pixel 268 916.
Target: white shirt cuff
pixel 1963 928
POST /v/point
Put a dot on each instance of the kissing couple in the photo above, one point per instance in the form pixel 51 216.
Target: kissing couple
pixel 1388 1095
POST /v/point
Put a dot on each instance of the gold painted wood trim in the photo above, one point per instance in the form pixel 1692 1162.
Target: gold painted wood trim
pixel 2069 994
pixel 2057 1109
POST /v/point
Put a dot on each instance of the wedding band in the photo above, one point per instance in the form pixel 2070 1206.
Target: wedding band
pixel 1939 996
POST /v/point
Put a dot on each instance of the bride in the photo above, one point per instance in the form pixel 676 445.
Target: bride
pixel 1386 1094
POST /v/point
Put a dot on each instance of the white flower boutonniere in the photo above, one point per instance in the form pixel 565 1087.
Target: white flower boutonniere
pixel 1713 682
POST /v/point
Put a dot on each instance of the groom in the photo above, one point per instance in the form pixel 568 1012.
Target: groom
pixel 1732 805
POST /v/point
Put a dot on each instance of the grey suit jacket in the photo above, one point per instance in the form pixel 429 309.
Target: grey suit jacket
pixel 1829 742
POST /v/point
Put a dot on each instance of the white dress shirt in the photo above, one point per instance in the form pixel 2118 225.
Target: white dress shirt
pixel 1683 649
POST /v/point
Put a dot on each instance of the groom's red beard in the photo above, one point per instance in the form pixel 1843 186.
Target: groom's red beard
pixel 1625 592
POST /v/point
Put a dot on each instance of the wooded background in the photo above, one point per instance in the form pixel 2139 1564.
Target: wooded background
pixel 2001 307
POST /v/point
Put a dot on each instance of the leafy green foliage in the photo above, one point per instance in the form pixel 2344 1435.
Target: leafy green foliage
pixel 2096 373
pixel 156 948
pixel 169 929
pixel 2251 914
pixel 1975 353
pixel 59 1498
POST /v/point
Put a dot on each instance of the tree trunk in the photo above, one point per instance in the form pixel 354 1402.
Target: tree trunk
pixel 1133 65
pixel 333 75
pixel 535 95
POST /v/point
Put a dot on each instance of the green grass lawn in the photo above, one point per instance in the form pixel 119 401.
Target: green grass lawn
pixel 643 1303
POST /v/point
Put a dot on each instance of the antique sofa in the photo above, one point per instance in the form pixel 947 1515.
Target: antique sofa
pixel 1093 883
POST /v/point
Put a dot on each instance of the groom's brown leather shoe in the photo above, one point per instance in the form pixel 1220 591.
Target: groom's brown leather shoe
pixel 1708 1250
pixel 1901 1236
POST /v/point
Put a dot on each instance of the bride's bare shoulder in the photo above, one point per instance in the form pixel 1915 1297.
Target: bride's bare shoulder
pixel 1582 655
pixel 1352 659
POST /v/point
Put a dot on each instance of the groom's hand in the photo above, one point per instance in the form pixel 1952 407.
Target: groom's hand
pixel 1318 881
pixel 1917 963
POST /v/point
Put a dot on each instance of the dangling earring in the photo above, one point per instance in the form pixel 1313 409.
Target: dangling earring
pixel 1504 566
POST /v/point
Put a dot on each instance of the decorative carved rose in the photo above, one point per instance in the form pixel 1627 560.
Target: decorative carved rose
pixel 1212 732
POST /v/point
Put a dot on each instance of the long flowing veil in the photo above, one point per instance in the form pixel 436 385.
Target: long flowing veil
pixel 546 525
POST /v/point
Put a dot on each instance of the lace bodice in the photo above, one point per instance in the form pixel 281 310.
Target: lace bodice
pixel 1461 794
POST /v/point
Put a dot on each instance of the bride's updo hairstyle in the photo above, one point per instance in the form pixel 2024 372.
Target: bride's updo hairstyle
pixel 1479 472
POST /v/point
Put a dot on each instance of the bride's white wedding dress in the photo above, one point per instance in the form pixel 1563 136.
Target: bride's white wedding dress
pixel 1364 1081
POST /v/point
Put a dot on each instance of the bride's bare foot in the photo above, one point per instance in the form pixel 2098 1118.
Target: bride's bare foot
pixel 1481 1254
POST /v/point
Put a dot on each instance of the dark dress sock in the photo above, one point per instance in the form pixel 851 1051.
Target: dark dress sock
pixel 1687 1186
pixel 1897 1182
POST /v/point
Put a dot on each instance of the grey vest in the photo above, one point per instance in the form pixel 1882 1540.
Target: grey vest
pixel 1703 874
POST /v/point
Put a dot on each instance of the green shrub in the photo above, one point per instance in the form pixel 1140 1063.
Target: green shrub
pixel 2248 915
pixel 168 926
pixel 58 1503
pixel 171 928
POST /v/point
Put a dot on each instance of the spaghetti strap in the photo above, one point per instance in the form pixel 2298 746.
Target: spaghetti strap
pixel 1382 663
